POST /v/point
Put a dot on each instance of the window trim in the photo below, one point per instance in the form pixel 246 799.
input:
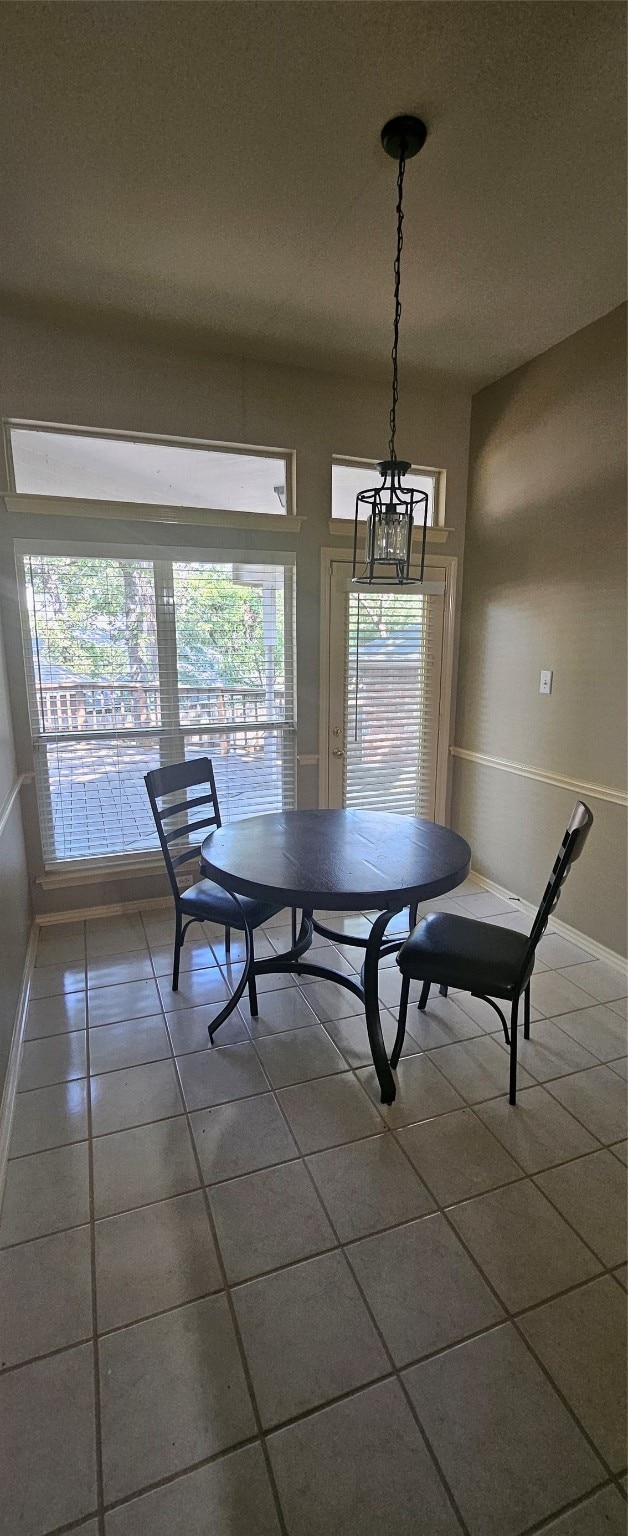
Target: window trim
pixel 99 867
pixel 150 512
pixel 161 512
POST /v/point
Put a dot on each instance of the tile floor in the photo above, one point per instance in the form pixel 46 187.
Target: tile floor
pixel 241 1297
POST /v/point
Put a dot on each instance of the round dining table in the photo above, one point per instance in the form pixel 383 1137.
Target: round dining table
pixel 335 861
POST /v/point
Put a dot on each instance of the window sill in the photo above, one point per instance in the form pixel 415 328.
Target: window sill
pixel 343 528
pixel 146 512
pixel 98 873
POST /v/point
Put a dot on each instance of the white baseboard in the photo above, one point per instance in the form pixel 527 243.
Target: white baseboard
pixel 15 1054
pixel 163 903
pixel 567 932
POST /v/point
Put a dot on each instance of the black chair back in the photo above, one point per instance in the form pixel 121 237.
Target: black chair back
pixel 578 827
pixel 172 821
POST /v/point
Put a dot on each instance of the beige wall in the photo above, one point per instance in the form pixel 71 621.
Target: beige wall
pixel 545 586
pixel 54 374
pixel 15 907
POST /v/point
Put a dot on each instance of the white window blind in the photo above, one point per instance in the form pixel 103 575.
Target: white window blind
pixel 59 462
pixel 392 699
pixel 132 664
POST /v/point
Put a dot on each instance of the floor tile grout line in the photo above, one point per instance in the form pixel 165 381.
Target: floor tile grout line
pixel 605 1268
pixel 176 1477
pixel 608 1268
pixel 477 1103
pixel 525 1178
pixel 580 1502
pixel 75 1527
pixel 46 1354
pixel 229 1299
pixel 94 1283
pixel 421 1049
pixel 572 1111
pixel 537 1083
pixel 523 1174
pixel 390 1129
pixel 556 1018
pixel 471 1104
pixel 395 1371
pixel 512 1318
pixel 395 1130
pixel 339 1246
pixel 224 1454
pixel 601 1146
pixel 436 1464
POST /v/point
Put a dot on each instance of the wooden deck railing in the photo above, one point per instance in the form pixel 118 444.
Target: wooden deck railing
pixel 128 706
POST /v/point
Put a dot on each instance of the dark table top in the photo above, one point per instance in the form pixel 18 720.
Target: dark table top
pixel 336 859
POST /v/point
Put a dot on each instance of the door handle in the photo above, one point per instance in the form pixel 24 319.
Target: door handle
pixel 337 752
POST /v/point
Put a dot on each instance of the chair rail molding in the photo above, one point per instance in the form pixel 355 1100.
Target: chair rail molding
pixel 557 780
pixel 7 807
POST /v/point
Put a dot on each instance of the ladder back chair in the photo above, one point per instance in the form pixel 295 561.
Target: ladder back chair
pixel 204 901
pixel 482 958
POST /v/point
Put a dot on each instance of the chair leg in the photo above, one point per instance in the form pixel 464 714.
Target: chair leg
pixel 178 941
pixel 401 1023
pixel 512 1096
pixel 526 1013
pixel 294 927
pixel 227 943
pixel 425 995
pixel 443 991
pixel 251 983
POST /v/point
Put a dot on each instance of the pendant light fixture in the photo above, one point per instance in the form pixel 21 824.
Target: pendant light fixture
pixel 391 506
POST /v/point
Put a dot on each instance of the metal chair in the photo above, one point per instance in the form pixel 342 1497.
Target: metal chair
pixel 483 959
pixel 205 901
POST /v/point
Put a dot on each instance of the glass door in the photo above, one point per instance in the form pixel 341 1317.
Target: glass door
pixel 385 694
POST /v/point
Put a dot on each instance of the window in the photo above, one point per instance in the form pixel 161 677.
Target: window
pixel 132 663
pixel 51 461
pixel 349 476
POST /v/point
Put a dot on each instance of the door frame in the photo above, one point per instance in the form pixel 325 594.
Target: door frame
pixel 333 557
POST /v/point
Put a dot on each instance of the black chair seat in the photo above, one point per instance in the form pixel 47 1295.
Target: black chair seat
pixel 208 903
pixel 462 952
pixel 483 958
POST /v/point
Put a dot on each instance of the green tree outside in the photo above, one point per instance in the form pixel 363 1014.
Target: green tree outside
pixel 96 619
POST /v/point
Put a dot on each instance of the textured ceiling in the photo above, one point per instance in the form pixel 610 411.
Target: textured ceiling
pixel 216 168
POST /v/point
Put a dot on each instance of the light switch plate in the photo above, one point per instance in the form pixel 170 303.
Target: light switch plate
pixel 546 682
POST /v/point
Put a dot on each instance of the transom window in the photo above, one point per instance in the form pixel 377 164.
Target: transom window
pixel 55 461
pixel 350 476
pixel 133 663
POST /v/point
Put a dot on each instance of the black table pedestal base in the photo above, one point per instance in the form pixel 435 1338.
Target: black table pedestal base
pixel 366 990
pixel 335 861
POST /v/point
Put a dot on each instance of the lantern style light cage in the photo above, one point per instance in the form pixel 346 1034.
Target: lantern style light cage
pixel 392 512
pixel 393 509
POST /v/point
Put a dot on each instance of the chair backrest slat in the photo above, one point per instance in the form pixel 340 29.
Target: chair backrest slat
pixel 171 780
pixel 577 831
pixel 166 781
pixel 192 826
pixel 185 805
pixel 184 858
